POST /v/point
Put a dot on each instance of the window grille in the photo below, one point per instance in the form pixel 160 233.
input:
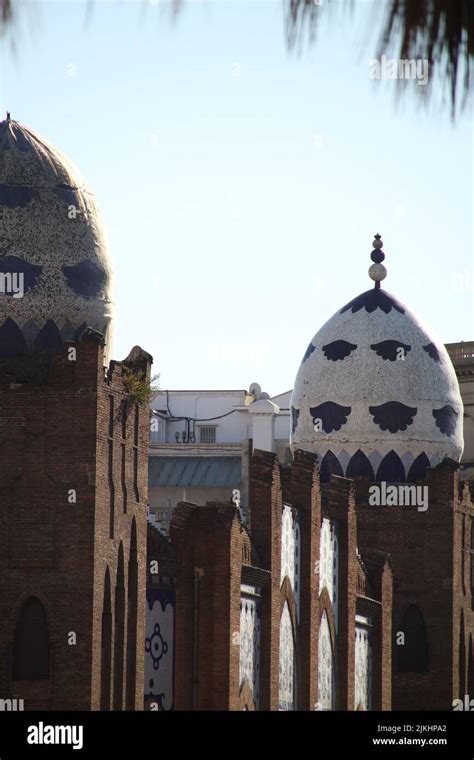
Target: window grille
pixel 207 434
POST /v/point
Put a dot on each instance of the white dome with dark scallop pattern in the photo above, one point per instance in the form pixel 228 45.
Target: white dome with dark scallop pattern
pixel 55 270
pixel 376 393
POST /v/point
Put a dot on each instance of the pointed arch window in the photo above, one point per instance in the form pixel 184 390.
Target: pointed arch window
pixel 412 650
pixel 31 650
pixel 106 649
pixel 462 657
pixel 287 670
pixel 326 669
pixel 119 633
pixel 132 617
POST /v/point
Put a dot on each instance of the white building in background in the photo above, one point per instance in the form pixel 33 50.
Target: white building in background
pixel 201 440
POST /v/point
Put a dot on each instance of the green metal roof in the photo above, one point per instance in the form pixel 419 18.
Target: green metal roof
pixel 194 471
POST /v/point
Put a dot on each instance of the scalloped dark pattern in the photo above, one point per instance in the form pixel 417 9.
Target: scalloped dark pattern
pixel 85 279
pixel 338 350
pixel 332 415
pixel 432 351
pixel 308 352
pixel 30 272
pixel 388 349
pixel 373 299
pixel 16 196
pixel 393 416
pixel 446 419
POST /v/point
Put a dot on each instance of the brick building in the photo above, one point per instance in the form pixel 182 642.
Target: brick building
pixel 73 449
pixel 325 602
pixel 348 583
pixel 268 618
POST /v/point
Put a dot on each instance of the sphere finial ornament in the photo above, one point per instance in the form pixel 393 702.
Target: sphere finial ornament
pixel 377 271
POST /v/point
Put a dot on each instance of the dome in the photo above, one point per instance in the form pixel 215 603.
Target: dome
pixel 376 393
pixel 55 271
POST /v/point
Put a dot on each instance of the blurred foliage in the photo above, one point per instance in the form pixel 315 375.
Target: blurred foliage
pixel 440 31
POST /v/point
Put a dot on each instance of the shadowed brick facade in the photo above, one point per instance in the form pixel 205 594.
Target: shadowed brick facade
pixel 431 553
pixel 216 559
pixel 390 559
pixel 73 492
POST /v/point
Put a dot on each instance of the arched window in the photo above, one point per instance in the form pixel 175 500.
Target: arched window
pixel 132 608
pixel 106 663
pixel 287 675
pixel 119 632
pixel 31 652
pixel 326 670
pixel 329 562
pixel 462 658
pixel 412 648
pixel 363 667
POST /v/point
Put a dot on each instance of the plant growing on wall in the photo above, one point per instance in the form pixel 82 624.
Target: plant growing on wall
pixel 137 387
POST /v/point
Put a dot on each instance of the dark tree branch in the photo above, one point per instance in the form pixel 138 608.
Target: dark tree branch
pixel 440 31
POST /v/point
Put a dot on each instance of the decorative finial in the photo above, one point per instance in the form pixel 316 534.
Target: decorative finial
pixel 377 271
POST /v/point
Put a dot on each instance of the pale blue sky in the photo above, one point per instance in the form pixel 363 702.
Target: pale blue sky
pixel 241 184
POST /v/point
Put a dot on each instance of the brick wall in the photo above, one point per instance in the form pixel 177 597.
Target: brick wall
pixel 266 505
pixel 425 551
pixel 303 493
pixel 339 505
pixel 214 553
pixel 209 548
pixel 54 438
